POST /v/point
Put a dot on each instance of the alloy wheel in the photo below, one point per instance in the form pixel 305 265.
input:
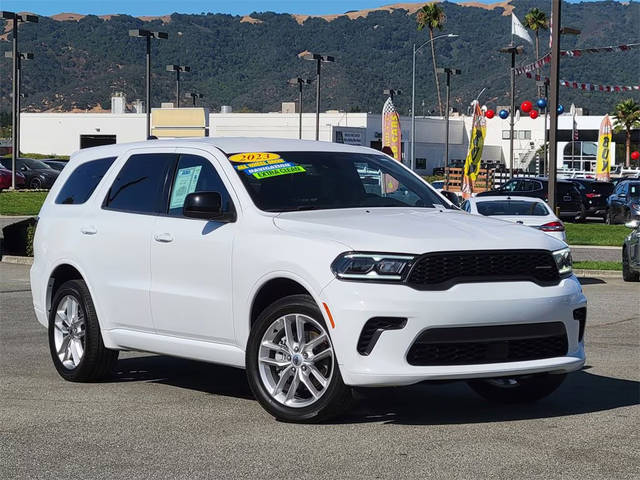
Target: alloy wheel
pixel 296 360
pixel 69 332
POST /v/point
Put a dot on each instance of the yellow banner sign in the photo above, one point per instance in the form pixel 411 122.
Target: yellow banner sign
pixel 473 161
pixel 603 163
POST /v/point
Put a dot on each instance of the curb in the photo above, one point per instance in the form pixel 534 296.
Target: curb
pixel 597 247
pixel 598 273
pixel 17 260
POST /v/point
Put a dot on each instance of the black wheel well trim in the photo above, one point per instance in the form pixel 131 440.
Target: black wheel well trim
pixel 61 274
pixel 272 290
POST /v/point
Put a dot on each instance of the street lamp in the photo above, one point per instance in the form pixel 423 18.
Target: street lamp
pixel 513 50
pixel 178 69
pixel 193 96
pixel 449 72
pixel 15 18
pixel 21 56
pixel 139 32
pixel 300 82
pixel 413 95
pixel 319 59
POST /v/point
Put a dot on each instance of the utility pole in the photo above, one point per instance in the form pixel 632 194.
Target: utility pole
pixel 319 59
pixel 300 82
pixel 449 72
pixel 553 102
pixel 178 69
pixel 513 50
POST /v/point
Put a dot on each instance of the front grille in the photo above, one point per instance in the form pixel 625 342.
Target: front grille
pixel 494 344
pixel 441 270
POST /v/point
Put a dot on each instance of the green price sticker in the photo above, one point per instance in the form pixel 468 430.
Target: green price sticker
pixel 279 171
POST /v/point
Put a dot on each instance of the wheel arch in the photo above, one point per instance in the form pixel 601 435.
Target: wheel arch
pixel 271 290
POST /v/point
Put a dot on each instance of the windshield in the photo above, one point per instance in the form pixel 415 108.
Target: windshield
pixel 34 164
pixel 512 207
pixel 289 181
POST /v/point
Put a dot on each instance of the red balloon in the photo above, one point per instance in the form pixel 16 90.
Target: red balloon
pixel 533 114
pixel 635 155
pixel 526 106
pixel 489 113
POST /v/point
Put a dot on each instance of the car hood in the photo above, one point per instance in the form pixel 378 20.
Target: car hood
pixel 411 230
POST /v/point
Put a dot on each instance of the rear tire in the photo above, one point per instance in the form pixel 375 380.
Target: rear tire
pixel 608 219
pixel 282 369
pixel 75 340
pixel 628 275
pixel 35 183
pixel 517 390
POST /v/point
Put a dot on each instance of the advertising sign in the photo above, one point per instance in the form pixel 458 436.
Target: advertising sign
pixel 603 162
pixel 476 143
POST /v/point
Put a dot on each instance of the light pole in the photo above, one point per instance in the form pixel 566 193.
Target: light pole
pixel 178 69
pixel 193 96
pixel 15 121
pixel 449 72
pixel 319 59
pixel 413 95
pixel 148 35
pixel 300 82
pixel 392 93
pixel 545 160
pixel 21 56
pixel 513 50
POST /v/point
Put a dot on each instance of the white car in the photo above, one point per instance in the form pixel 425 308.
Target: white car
pixel 528 211
pixel 274 256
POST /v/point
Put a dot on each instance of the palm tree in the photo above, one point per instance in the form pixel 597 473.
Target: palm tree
pixel 432 16
pixel 627 117
pixel 536 20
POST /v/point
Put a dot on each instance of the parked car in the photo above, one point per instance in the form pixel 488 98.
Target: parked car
pixel 528 211
pixel 270 255
pixel 568 198
pixel 438 184
pixel 37 174
pixel 623 205
pixel 55 164
pixel 5 178
pixel 594 196
pixel 631 253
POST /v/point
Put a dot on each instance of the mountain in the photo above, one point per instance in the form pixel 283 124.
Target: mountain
pixel 246 61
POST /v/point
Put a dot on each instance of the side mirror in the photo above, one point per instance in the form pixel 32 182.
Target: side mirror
pixel 206 206
pixel 23 169
pixel 633 224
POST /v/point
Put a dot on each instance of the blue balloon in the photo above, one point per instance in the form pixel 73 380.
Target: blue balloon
pixel 542 103
pixel 560 109
pixel 503 114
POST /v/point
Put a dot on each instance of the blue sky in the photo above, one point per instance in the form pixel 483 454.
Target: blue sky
pixel 161 7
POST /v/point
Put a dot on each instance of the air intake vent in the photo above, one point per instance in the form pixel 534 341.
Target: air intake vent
pixel 373 329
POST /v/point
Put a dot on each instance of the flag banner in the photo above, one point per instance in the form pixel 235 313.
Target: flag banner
pixel 591 87
pixel 603 163
pixel 473 161
pixel 391 140
pixel 573 53
pixel 518 29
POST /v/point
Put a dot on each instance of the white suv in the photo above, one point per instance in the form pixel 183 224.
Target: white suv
pixel 314 266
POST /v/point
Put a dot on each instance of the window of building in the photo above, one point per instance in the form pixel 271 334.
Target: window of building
pixel 421 163
pixel 83 181
pixel 141 184
pixel 195 174
pixel 506 134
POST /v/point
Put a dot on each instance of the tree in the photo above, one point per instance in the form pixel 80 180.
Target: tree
pixel 627 115
pixel 536 20
pixel 432 16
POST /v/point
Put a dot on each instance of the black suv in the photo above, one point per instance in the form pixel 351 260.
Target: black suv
pixel 624 203
pixel 594 196
pixel 568 198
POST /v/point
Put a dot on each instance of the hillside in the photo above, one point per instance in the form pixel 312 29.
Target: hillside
pixel 246 61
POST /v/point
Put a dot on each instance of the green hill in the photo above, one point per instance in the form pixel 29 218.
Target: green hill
pixel 246 64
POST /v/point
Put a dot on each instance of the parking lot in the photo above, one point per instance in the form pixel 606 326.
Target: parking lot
pixel 169 418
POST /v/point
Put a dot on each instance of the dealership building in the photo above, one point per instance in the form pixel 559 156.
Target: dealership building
pixel 65 133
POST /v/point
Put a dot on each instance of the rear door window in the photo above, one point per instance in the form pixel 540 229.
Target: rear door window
pixel 83 181
pixel 142 184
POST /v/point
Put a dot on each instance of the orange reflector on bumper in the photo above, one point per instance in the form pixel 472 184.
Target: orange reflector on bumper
pixel 326 307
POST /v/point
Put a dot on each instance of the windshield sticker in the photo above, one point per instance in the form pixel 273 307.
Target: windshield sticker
pixel 186 181
pixel 270 168
pixel 251 157
pixel 279 171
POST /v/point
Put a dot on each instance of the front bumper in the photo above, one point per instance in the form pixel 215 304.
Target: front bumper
pixel 473 304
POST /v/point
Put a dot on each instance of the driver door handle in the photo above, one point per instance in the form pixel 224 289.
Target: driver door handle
pixel 163 237
pixel 89 230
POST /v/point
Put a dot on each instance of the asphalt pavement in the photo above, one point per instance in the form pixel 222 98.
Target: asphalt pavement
pixel 169 418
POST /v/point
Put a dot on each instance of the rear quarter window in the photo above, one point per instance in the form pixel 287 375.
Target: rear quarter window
pixel 83 181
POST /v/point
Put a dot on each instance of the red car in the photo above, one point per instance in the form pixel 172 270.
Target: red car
pixel 5 179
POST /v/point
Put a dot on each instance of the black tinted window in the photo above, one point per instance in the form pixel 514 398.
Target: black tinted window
pixel 83 181
pixel 195 174
pixel 511 207
pixel 141 184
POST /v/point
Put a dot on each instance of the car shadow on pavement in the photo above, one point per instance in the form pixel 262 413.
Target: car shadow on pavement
pixel 182 373
pixel 455 403
pixel 421 404
pixel 591 281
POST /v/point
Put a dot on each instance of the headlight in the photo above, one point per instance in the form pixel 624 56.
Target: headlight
pixel 563 261
pixel 371 266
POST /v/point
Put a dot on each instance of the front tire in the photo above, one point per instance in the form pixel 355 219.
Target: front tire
pixel 35 183
pixel 291 364
pixel 517 390
pixel 628 275
pixel 75 341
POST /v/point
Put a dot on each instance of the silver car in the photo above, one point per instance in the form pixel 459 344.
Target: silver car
pixel 631 253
